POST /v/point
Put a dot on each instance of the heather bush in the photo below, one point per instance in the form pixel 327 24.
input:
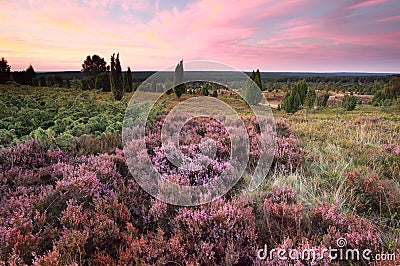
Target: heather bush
pixel 282 217
pixel 281 195
pixel 289 155
pixel 217 233
pixel 328 224
pixel 389 160
pixel 285 223
pixel 380 197
pixel 367 120
pixel 50 258
pixel 283 128
pixel 151 248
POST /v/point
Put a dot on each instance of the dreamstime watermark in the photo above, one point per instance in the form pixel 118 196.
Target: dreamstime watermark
pixel 341 253
pixel 140 109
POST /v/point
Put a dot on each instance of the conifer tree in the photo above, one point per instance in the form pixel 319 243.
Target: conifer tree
pixel 310 99
pixel 128 80
pixel 257 79
pixel 301 87
pixel 5 71
pixel 179 88
pixel 253 94
pixel 30 75
pixel 292 101
pixel 116 83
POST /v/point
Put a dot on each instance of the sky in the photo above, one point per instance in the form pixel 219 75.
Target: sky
pixel 271 35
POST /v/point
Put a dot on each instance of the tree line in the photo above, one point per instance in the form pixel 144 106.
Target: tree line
pixel 99 75
pixel 25 77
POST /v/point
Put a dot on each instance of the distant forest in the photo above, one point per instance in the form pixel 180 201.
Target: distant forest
pixel 344 77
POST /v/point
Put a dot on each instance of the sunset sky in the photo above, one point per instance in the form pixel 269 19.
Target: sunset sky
pixel 272 35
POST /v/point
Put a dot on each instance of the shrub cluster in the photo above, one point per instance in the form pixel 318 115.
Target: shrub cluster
pixel 58 119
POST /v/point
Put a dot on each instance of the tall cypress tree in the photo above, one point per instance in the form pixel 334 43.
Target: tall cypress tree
pixel 116 83
pixel 128 80
pixel 112 74
pixel 30 75
pixel 179 88
pixel 257 79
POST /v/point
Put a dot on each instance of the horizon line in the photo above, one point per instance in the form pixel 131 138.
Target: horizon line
pixel 245 71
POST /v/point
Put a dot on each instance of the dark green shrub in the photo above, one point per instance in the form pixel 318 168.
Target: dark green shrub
pixel 42 81
pixel 103 82
pixel 291 102
pixel 322 100
pixel 349 102
pixel 310 99
pixel 379 98
pixel 86 84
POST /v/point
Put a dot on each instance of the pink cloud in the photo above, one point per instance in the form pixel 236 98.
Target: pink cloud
pixel 368 3
pixel 271 35
pixel 125 4
pixel 392 18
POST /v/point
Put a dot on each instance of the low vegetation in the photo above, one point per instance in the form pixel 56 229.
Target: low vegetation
pixel 68 197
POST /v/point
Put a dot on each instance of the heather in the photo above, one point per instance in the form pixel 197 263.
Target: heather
pixel 68 197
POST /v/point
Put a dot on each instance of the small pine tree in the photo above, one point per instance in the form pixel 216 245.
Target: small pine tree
pixel 30 75
pixel 253 94
pixel 215 94
pixel 285 103
pixel 392 88
pixel 103 81
pixel 301 87
pixel 128 80
pixel 349 102
pixel 179 88
pixel 322 100
pixel 296 102
pixel 310 99
pixel 257 79
pixel 291 102
pixel 378 98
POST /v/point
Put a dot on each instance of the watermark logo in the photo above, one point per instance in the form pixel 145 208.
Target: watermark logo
pixel 341 242
pixel 341 253
pixel 139 113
